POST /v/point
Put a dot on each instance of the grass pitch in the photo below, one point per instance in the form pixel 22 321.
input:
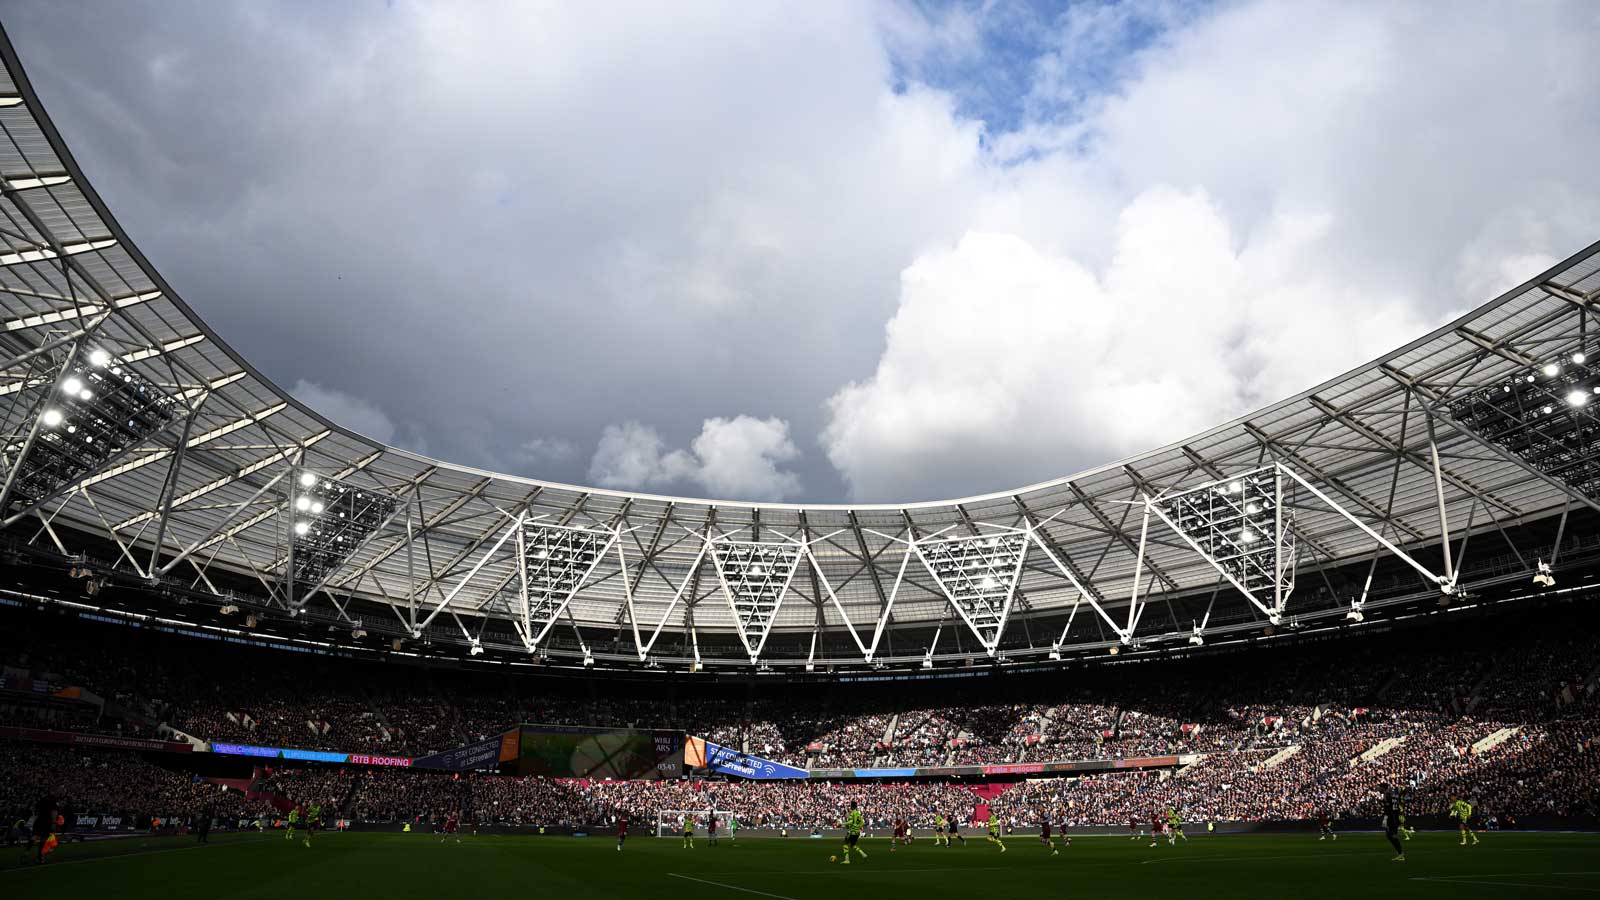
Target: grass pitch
pixel 396 866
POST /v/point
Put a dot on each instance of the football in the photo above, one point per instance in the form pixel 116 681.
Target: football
pixel 833 859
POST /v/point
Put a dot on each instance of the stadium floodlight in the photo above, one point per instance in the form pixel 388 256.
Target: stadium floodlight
pixel 1551 370
pixel 554 561
pixel 333 519
pixel 588 660
pixel 755 578
pixel 358 633
pixel 476 649
pixel 1055 654
pixel 979 577
pixel 88 416
pixel 1543 576
pixel 1549 425
pixel 1242 526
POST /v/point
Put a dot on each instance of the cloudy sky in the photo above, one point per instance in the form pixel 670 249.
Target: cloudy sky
pixel 824 250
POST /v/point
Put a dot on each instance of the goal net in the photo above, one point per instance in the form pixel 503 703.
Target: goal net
pixel 669 822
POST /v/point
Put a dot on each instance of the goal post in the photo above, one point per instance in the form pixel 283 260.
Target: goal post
pixel 669 822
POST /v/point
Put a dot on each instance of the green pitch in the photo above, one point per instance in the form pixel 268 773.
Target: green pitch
pixel 396 866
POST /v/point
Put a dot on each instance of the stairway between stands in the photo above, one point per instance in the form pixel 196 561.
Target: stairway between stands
pixel 986 793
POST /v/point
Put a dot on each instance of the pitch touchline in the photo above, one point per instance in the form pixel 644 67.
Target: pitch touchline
pixel 76 862
pixel 731 887
pixel 1484 879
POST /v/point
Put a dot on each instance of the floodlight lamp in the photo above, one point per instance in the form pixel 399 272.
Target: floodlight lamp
pixel 316 507
pixel 1113 650
pixel 86 394
pixel 1236 487
pixel 1247 536
pixel 1550 370
pixel 71 386
pixel 1578 358
pixel 1055 655
pixel 302 503
pixel 302 527
pixel 1529 379
pixel 99 358
pixel 1252 508
pixel 308 480
pixel 927 663
pixel 476 649
pixel 1196 640
pixel 988 583
pixel 1578 397
pixel 1548 409
pixel 51 418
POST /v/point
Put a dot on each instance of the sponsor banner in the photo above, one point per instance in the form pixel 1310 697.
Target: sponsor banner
pixel 45 735
pixel 245 750
pixel 1040 768
pixel 97 822
pixel 484 754
pixel 363 759
pixel 326 756
pixel 731 762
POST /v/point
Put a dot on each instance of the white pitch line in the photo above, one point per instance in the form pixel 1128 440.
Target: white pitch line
pixel 731 887
pixel 1456 879
pixel 1173 859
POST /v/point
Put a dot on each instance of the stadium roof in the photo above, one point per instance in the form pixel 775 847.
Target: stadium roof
pixel 1372 464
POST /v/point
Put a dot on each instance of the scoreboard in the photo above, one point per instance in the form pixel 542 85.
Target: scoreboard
pixel 573 751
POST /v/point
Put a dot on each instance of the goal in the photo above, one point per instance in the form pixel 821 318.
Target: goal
pixel 669 822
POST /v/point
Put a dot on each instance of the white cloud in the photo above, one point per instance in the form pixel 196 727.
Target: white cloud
pixel 541 450
pixel 1004 359
pixel 730 458
pixel 346 410
pixel 1253 207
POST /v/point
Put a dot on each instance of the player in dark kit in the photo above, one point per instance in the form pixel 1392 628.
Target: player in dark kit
pixel 622 831
pixel 1325 825
pixel 1391 822
pixel 1133 828
pixel 44 821
pixel 1044 835
pixel 954 825
pixel 202 825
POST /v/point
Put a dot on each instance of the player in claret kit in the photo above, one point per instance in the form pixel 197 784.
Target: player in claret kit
pixel 1156 825
pixel 1325 825
pixel 622 831
pixel 1044 834
pixel 1134 832
pixel 711 828
pixel 452 825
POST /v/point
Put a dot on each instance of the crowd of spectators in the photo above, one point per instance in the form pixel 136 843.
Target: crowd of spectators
pixel 1318 727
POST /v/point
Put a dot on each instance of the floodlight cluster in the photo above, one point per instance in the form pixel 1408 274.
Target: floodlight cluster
pixel 978 573
pixel 756 574
pixel 556 560
pixel 331 519
pixel 1543 416
pixel 1234 523
pixel 94 410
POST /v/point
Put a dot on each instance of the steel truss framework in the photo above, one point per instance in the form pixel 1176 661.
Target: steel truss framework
pixel 1385 461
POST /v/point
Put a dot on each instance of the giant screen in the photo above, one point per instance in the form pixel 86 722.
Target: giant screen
pixel 570 751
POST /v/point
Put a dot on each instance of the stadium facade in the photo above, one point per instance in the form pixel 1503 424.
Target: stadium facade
pixel 148 461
